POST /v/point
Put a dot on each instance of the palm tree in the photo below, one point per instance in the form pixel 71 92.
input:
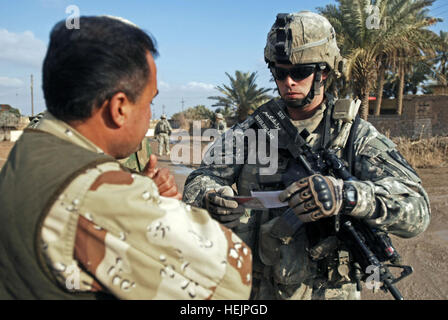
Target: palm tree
pixel 242 94
pixel 370 50
pixel 410 46
pixel 442 58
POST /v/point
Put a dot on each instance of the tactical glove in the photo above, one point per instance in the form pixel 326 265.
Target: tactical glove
pixel 222 208
pixel 314 197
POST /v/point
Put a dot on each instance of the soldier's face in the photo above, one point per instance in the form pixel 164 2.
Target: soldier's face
pixel 291 89
pixel 138 123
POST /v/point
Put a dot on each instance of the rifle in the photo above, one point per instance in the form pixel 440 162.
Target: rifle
pixel 369 246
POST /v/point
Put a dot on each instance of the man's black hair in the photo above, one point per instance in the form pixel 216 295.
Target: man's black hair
pixel 85 67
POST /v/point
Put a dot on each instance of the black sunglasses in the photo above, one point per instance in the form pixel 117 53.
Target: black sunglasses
pixel 297 73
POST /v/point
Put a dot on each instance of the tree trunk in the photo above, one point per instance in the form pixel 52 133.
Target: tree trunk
pixel 379 94
pixel 364 108
pixel 364 96
pixel 242 112
pixel 400 89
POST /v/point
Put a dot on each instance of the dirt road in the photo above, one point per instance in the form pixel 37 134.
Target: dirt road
pixel 426 253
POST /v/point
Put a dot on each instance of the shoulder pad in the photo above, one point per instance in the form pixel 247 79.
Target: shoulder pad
pixel 346 109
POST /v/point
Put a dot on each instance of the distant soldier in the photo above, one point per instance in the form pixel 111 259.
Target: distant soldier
pixel 220 123
pixel 162 133
pixel 34 120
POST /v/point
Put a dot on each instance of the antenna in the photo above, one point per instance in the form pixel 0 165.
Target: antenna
pixel 32 98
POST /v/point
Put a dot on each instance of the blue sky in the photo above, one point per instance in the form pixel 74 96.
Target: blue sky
pixel 198 41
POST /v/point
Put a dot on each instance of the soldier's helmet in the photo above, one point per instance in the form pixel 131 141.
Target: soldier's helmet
pixel 163 116
pixel 303 38
pixel 219 116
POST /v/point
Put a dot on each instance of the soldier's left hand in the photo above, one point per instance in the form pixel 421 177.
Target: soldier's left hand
pixel 314 197
pixel 163 179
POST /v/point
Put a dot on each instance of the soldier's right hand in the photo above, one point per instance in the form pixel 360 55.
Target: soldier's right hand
pixel 222 208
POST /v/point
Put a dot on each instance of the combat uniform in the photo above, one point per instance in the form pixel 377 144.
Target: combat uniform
pixel 136 161
pixel 98 229
pixel 220 124
pixel 162 132
pixel 390 198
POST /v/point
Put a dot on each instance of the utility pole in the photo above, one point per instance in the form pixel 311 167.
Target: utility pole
pixel 163 109
pixel 182 104
pixel 32 98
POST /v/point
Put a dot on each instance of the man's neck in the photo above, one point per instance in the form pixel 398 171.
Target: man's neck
pixel 93 130
pixel 307 111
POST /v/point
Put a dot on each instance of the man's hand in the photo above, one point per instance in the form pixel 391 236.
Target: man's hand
pixel 314 197
pixel 223 209
pixel 163 179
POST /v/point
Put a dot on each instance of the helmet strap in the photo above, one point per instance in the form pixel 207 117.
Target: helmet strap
pixel 314 91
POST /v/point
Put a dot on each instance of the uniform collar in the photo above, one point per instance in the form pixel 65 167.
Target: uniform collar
pixel 312 123
pixel 50 124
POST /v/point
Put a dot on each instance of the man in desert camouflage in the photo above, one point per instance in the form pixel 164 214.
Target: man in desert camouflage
pixel 301 52
pixel 79 225
pixel 135 161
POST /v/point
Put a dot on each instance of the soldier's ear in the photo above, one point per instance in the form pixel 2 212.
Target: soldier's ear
pixel 119 108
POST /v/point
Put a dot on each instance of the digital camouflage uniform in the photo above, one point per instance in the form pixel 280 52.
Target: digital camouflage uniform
pixel 110 231
pixel 390 197
pixel 162 132
pixel 313 263
pixel 220 123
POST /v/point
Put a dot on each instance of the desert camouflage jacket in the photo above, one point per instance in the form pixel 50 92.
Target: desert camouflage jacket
pixel 136 161
pixel 114 231
pixel 389 192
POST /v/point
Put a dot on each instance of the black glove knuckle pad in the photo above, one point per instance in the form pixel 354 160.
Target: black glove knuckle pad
pixel 323 192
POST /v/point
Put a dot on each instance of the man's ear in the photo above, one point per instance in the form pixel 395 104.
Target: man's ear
pixel 119 108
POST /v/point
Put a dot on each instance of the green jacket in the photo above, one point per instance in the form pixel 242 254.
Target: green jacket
pixel 26 197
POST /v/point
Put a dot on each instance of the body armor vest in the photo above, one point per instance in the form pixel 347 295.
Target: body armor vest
pixel 295 266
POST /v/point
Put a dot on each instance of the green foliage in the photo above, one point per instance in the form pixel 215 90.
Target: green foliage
pixel 241 95
pixel 415 79
pixel 199 112
pixel 401 40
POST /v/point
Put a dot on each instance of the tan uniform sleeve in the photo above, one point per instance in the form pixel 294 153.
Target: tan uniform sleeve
pixel 126 239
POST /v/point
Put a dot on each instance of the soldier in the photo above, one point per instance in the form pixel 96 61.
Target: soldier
pixel 301 52
pixel 34 120
pixel 220 123
pixel 79 225
pixel 162 133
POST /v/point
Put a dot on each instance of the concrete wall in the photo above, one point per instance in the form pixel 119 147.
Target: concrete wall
pixel 423 116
